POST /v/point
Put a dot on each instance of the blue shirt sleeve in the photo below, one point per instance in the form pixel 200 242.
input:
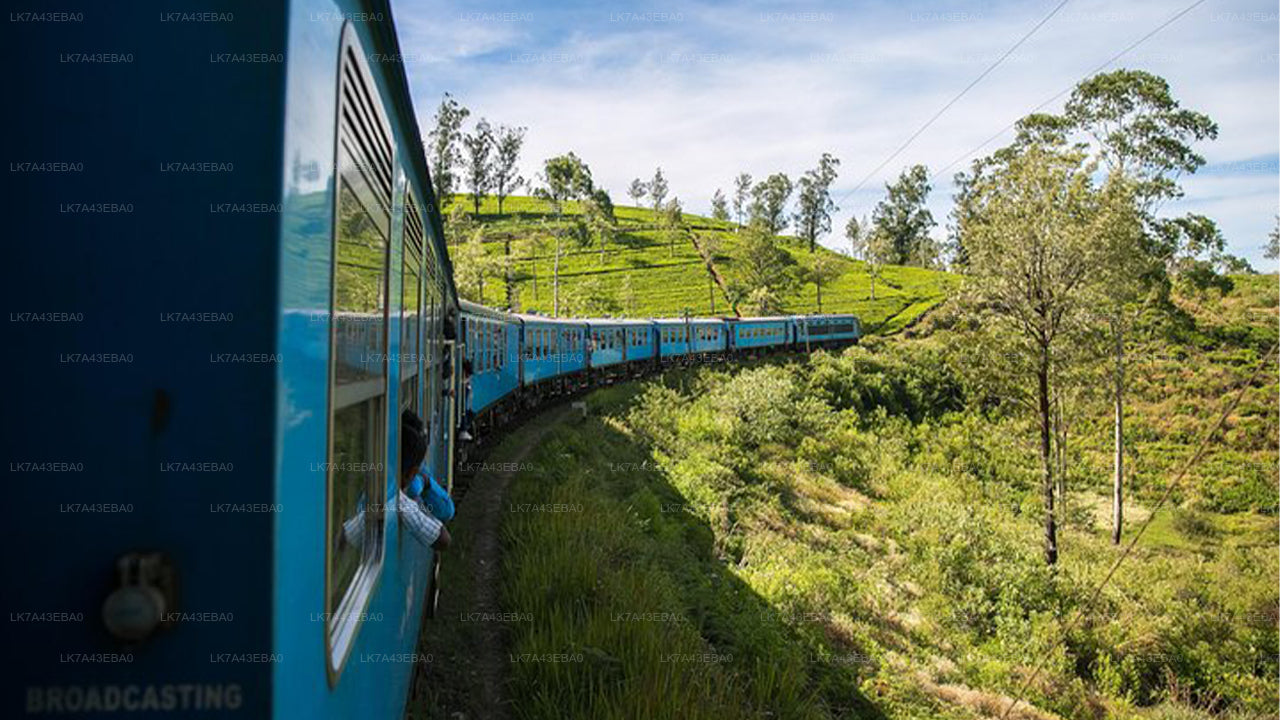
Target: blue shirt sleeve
pixel 437 500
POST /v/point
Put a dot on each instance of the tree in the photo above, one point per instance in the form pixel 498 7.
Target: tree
pixel 859 234
pixel 479 167
pixel 741 196
pixel 822 269
pixel 534 245
pixel 813 214
pixel 637 190
pixel 597 210
pixel 507 143
pixel 564 178
pixel 460 226
pixel 1272 249
pixel 590 298
pixel 769 202
pixel 719 206
pixel 1136 129
pixel 763 270
pixel 474 265
pixel 1030 239
pixel 671 220
pixel 707 247
pixel 905 221
pixel 658 190
pixel 627 299
pixel 443 151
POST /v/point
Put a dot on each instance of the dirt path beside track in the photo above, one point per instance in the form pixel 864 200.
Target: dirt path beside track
pixel 466 677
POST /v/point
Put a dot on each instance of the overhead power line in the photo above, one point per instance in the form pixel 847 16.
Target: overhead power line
pixel 956 99
pixel 1071 87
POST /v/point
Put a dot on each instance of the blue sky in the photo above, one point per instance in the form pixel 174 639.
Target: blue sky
pixel 708 90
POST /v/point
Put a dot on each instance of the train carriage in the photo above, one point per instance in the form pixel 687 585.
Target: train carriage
pixel 492 349
pixel 754 333
pixel 682 337
pixel 616 342
pixel 824 330
pixel 551 349
pixel 224 445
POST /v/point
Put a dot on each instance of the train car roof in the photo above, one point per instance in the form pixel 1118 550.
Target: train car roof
pixel 682 321
pixel 618 321
pixel 470 308
pixel 549 320
pixel 384 33
pixel 761 318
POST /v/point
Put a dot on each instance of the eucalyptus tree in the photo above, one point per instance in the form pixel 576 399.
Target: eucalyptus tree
pixel 719 206
pixel 873 247
pixel 658 190
pixel 741 196
pixel 904 219
pixel 637 190
pixel 1133 126
pixel 597 210
pixel 763 271
pixel 671 220
pixel 442 147
pixel 822 269
pixel 507 144
pixel 478 163
pixel 769 202
pixel 1030 236
pixel 564 178
pixel 814 204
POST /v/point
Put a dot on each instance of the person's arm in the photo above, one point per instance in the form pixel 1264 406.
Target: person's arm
pixel 437 500
pixel 420 525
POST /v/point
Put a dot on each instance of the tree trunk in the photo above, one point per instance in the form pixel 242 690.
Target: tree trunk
pixel 1060 458
pixel 555 283
pixel 873 286
pixel 819 286
pixel 500 199
pixel 1117 487
pixel 1046 461
pixel 711 291
pixel 506 267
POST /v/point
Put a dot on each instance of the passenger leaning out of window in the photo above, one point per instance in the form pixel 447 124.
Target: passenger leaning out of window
pixel 424 485
pixel 415 520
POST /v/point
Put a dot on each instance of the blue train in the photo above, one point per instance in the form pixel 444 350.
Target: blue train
pixel 515 361
pixel 221 301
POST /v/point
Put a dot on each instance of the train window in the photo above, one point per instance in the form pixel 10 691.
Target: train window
pixel 357 443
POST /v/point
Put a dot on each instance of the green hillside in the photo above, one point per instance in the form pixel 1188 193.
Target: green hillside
pixel 854 536
pixel 668 281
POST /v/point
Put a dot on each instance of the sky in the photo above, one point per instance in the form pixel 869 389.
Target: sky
pixel 709 90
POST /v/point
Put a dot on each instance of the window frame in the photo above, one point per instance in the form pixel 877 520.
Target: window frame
pixel 359 176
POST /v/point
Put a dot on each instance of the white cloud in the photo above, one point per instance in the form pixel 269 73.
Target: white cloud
pixel 726 90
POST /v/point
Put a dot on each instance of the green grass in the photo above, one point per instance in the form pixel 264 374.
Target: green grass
pixel 669 281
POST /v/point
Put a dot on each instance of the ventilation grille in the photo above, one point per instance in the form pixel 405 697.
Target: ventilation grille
pixel 363 133
pixel 412 226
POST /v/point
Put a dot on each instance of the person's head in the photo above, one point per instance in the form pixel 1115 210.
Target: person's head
pixel 413 445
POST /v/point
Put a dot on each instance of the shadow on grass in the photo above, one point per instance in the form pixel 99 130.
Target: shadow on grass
pixel 619 604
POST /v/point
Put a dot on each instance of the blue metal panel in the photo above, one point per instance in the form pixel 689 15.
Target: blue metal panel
pixel 389 627
pixel 607 343
pixel 173 401
pixel 760 332
pixel 493 347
